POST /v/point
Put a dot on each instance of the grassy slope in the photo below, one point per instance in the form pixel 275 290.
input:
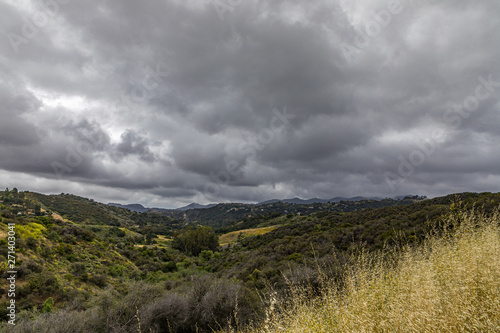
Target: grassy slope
pixel 232 237
pixel 450 283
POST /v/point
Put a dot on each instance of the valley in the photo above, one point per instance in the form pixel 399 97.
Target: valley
pixel 75 255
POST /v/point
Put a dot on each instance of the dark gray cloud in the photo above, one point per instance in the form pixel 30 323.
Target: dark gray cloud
pixel 133 144
pixel 15 131
pixel 168 102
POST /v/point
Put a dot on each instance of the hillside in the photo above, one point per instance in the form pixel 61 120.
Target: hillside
pixel 328 238
pixel 97 215
pixel 133 207
pixel 449 283
pixel 226 214
pixel 88 211
pixel 112 260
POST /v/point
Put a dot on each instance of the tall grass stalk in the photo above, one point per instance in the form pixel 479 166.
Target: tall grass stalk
pixel 450 283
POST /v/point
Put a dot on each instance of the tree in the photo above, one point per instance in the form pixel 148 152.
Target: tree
pixel 149 237
pixel 194 240
pixel 38 210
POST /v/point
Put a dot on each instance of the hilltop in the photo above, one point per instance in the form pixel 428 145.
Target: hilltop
pixel 141 209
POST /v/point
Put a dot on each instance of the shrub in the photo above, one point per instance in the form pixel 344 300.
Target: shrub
pixel 48 305
pixel 205 255
pixel 31 242
pixel 78 268
pixel 99 280
pixel 46 252
pixel 168 267
pixel 115 310
pixel 54 322
pixel 167 314
pixel 49 284
pixel 34 267
pixel 116 270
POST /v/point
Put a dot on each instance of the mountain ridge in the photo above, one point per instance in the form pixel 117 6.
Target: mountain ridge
pixel 141 209
pixel 296 200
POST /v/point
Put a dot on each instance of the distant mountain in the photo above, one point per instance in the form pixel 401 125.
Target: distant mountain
pixel 304 202
pixel 299 201
pixel 195 206
pixel 409 196
pixel 134 207
pixel 141 209
pixel 358 198
pixel 296 201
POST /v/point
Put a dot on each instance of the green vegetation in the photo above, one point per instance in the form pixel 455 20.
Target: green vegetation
pixel 105 268
pixel 193 241
pixel 87 211
pixel 246 216
pixel 450 283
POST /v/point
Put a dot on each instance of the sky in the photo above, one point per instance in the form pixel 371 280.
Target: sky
pixel 168 102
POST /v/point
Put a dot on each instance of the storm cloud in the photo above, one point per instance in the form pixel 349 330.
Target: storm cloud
pixel 169 102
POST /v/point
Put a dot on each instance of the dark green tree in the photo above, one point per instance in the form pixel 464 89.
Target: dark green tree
pixel 194 240
pixel 38 210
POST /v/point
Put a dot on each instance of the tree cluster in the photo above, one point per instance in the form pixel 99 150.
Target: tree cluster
pixel 194 240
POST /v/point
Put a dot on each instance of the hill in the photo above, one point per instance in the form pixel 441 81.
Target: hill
pixel 449 283
pixel 92 213
pixel 141 209
pixel 122 264
pixel 316 200
pixel 133 207
pixel 227 214
pixel 225 217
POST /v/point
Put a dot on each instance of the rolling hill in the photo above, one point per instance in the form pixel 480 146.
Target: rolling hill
pixel 122 264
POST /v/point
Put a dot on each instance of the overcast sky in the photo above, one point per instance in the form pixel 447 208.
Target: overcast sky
pixel 167 102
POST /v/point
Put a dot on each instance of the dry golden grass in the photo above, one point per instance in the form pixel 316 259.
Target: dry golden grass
pixel 231 237
pixel 451 283
pixel 163 240
pixel 58 217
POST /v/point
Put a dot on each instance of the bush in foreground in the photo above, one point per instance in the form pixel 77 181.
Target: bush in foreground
pixel 204 305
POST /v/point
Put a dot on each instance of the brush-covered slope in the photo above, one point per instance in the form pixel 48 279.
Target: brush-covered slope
pixel 224 215
pixel 123 271
pixel 449 283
